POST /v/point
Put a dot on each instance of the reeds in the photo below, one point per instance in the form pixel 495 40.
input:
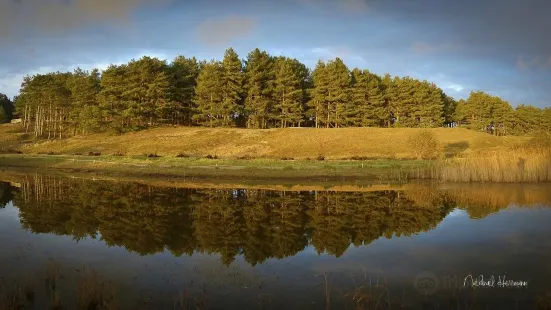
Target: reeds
pixel 523 164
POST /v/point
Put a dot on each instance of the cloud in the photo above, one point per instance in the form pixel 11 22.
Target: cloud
pixel 422 47
pixel 354 6
pixel 220 32
pixel 500 29
pixel 19 18
pixel 532 63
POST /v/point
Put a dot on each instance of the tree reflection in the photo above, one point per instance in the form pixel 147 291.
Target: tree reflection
pixel 258 224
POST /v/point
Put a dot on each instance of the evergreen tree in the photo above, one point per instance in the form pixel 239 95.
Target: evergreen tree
pixel 232 87
pixel 115 107
pixel 390 97
pixel 527 119
pixel 259 87
pixel 7 106
pixel 183 75
pixel 3 115
pixel 209 96
pixel 338 90
pixel 288 92
pixel 318 101
pixel 85 115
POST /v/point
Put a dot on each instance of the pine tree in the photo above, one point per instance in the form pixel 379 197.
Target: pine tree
pixel 3 115
pixel 85 115
pixel 114 106
pixel 7 105
pixel 527 119
pixel 430 113
pixel 318 101
pixel 338 89
pixel 259 87
pixel 359 99
pixel 183 76
pixel 288 92
pixel 389 96
pixel 233 86
pixel 209 95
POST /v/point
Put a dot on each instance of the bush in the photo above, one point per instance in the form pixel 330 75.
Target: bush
pixel 94 153
pixel 118 154
pixel 245 157
pixel 359 158
pixel 211 157
pixel 287 158
pixel 320 157
pixel 152 155
pixel 424 145
pixel 182 155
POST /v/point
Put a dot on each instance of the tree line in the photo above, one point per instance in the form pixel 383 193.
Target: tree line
pixel 261 91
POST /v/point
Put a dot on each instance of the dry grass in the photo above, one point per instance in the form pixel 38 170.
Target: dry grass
pixel 296 143
pixel 522 164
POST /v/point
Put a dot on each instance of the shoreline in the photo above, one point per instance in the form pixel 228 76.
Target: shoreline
pixel 257 170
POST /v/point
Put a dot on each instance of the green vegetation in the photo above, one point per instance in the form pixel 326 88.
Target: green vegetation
pixel 264 91
pixel 6 109
pixel 223 169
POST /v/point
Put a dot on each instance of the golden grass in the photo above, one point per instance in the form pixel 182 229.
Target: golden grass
pixel 295 143
pixel 522 164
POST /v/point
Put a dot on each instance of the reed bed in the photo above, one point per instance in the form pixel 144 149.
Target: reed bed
pixel 522 164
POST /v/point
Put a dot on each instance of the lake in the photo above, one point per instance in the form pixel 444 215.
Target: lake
pixel 75 243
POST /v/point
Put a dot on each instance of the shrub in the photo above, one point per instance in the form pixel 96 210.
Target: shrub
pixel 182 155
pixel 320 157
pixel 152 155
pixel 359 158
pixel 245 157
pixel 211 157
pixel 118 154
pixel 424 145
pixel 94 153
pixel 287 158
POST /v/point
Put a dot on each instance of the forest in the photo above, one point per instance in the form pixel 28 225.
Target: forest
pixel 261 91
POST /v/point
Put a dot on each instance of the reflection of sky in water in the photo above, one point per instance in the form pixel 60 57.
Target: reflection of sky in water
pixel 513 241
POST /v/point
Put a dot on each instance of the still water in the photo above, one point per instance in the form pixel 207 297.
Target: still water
pixel 70 243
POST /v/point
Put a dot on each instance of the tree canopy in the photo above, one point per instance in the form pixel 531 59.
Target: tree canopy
pixel 261 91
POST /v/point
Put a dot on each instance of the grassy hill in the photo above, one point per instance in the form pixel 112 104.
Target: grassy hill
pixel 296 143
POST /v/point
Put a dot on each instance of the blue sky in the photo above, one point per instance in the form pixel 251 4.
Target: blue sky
pixel 499 46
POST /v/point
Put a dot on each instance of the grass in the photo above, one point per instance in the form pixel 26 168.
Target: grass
pixel 289 153
pixel 522 164
pixel 233 143
pixel 195 167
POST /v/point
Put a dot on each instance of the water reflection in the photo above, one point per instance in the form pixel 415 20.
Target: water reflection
pixel 354 228
pixel 257 224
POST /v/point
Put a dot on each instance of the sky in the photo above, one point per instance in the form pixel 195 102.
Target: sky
pixel 498 46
